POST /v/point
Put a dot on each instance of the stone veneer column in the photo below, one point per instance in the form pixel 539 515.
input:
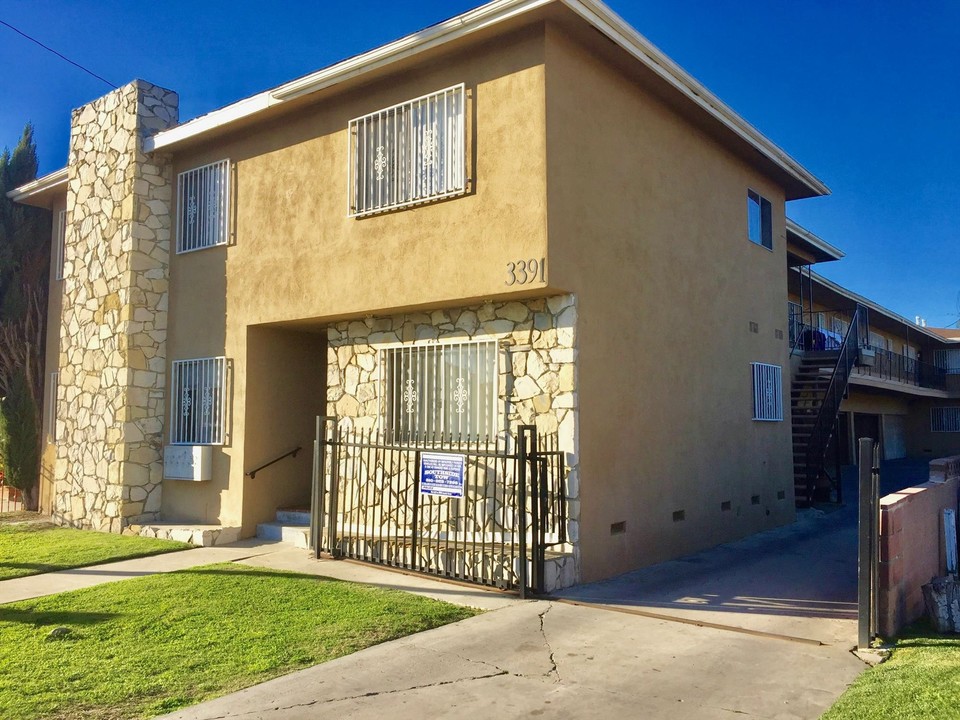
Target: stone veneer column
pixel 113 330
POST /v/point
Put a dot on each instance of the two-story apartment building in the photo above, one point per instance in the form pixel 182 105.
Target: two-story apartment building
pixel 523 216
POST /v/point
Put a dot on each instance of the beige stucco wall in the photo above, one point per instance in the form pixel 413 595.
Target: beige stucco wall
pixel 51 362
pixel 296 256
pixel 648 226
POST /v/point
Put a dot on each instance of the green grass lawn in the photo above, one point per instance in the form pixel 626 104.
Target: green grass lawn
pixel 920 680
pixel 151 645
pixel 29 547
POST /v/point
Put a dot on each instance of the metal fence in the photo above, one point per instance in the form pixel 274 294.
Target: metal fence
pixel 11 499
pixel 490 519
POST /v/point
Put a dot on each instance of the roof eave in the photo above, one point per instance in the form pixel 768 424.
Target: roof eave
pixel 41 185
pixel 831 251
pixel 594 12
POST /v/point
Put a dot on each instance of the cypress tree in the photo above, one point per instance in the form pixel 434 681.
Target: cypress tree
pixel 24 273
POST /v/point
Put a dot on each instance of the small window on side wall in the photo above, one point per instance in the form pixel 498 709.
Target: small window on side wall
pixel 203 196
pixel 759 220
pixel 767 392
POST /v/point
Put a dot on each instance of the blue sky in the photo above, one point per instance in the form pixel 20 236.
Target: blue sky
pixel 864 93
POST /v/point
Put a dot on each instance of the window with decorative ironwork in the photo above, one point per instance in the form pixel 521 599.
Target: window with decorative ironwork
pixel 443 390
pixel 767 392
pixel 59 246
pixel 409 153
pixel 203 195
pixel 198 401
pixel 759 220
pixel 945 419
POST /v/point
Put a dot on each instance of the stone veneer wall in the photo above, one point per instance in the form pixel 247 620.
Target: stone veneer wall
pixel 537 366
pixel 110 402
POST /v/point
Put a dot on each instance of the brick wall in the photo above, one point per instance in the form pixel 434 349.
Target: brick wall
pixel 911 543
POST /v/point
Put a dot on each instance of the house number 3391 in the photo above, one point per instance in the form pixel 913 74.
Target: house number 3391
pixel 524 272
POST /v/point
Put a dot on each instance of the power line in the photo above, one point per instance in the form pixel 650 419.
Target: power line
pixel 59 55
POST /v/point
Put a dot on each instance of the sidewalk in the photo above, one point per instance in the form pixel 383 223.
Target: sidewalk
pixel 32 586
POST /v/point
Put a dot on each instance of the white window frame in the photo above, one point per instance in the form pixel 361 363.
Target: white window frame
pixel 945 419
pixel 207 233
pixel 60 245
pixel 52 391
pixel 394 160
pixel 436 426
pixel 761 232
pixel 767 392
pixel 207 378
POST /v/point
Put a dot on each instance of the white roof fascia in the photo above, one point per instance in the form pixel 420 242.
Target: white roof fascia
pixel 593 11
pixel 875 307
pixel 818 242
pixel 41 184
pixel 618 30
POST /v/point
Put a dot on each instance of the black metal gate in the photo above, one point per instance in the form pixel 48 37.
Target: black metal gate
pixel 504 509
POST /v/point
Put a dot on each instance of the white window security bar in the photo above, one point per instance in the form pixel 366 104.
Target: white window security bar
pixel 440 390
pixel 203 195
pixel 945 419
pixel 198 402
pixel 767 392
pixel 408 153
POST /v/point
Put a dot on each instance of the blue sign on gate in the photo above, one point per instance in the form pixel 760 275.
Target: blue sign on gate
pixel 442 474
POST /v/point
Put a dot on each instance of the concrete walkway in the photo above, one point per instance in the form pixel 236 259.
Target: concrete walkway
pixel 784 624
pixel 776 625
pixel 34 586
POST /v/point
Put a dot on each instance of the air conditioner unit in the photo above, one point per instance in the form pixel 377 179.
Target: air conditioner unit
pixel 187 462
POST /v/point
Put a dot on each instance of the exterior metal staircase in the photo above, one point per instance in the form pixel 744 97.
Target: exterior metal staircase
pixel 815 396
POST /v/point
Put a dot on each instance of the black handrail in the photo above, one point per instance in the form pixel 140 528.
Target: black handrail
pixel 825 424
pixel 290 453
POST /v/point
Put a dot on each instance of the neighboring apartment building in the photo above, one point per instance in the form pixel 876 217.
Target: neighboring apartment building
pixel 524 215
pixel 903 387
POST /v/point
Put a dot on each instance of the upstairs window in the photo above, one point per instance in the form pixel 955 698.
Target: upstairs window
pixel 432 391
pixel 202 202
pixel 409 153
pixel 198 401
pixel 60 244
pixel 767 392
pixel 759 220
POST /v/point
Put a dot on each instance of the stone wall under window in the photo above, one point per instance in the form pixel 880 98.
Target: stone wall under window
pixel 537 366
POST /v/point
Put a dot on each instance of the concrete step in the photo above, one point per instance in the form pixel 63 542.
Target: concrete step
pixel 296 535
pixel 293 516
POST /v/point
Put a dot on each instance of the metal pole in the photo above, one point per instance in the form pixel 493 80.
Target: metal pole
pixel 334 487
pixel 875 542
pixel 316 511
pixel 521 510
pixel 864 579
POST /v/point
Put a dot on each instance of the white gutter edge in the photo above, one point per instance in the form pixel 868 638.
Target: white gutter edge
pixel 839 289
pixel 594 12
pixel 41 184
pixel 818 242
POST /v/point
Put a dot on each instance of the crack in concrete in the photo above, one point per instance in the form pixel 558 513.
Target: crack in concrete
pixel 280 708
pixel 554 670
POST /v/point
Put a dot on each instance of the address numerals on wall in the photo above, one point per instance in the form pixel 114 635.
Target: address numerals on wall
pixel 524 272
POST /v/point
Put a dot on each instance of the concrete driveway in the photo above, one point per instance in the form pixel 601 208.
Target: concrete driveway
pixel 776 618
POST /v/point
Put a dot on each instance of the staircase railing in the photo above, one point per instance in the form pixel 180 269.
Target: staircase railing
pixel 825 425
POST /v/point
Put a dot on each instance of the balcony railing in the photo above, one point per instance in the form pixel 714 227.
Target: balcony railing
pixel 889 365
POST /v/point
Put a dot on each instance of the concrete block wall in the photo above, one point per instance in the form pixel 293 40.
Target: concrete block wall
pixel 911 543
